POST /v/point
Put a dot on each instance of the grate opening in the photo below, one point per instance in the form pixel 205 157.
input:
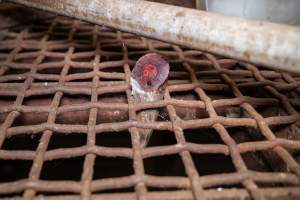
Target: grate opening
pixel 115 69
pixel 7 100
pixel 63 169
pixel 5 50
pixel 255 90
pixel 112 97
pixel 73 117
pixel 83 47
pixel 60 49
pixel 257 161
pixel 246 134
pixel 68 128
pixel 108 167
pixel 136 55
pixel 169 165
pixel 81 36
pixel 116 191
pixel 13 170
pixel 39 27
pixel 56 70
pixel 74 99
pixel 185 95
pixel 59 36
pixel 162 138
pixel 21 142
pixel 52 59
pixel 163 115
pixel 177 67
pixel 121 139
pixel 3 117
pixel 59 140
pixel 220 94
pixel 38 100
pixel 81 79
pixel 11 195
pixel 107 57
pixel 30 119
pixel 203 136
pixel 207 164
pixel 270 111
pixel 82 59
pixel 115 48
pixel 16 71
pixel 153 189
pixel 275 162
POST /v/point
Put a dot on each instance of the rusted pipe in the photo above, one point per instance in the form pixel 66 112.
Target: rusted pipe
pixel 118 115
pixel 105 116
pixel 262 43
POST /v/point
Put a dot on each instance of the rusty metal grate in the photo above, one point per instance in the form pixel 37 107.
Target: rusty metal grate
pixel 230 129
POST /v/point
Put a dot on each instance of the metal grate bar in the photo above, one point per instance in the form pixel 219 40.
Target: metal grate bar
pixel 46 136
pixel 12 115
pixel 185 155
pixel 265 130
pixel 236 157
pixel 87 175
pixel 140 187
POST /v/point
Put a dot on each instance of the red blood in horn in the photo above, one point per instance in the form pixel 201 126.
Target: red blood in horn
pixel 151 71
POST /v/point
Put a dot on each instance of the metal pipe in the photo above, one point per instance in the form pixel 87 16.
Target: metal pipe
pixel 105 116
pixel 263 43
pixel 42 106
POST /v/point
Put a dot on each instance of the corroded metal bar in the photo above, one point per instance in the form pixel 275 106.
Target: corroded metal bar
pixel 262 43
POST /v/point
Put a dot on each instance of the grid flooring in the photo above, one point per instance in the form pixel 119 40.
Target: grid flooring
pixel 61 58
